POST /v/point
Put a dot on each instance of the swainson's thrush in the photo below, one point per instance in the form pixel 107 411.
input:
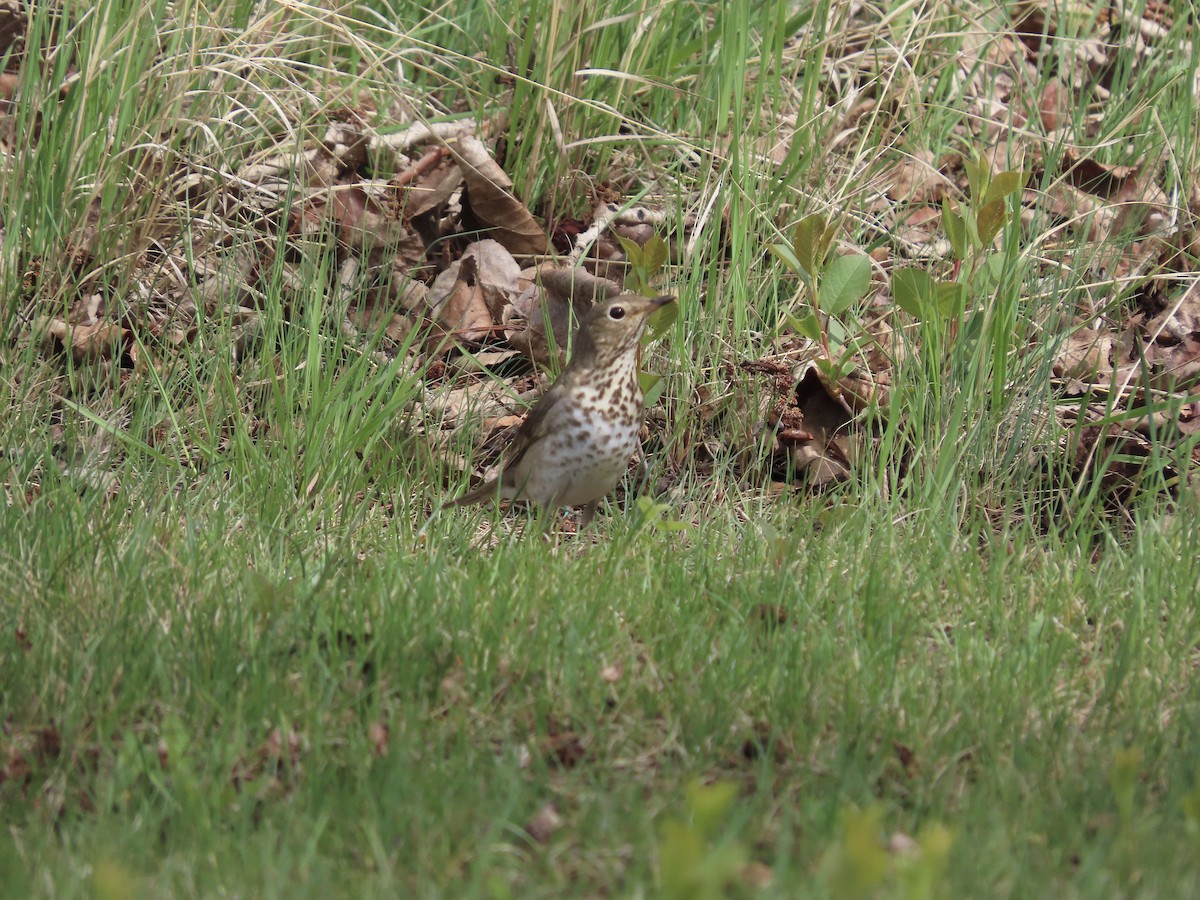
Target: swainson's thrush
pixel 577 440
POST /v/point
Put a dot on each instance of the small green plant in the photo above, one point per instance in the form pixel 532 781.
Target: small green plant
pixel 647 263
pixel 831 287
pixel 1191 810
pixel 1123 778
pixel 859 865
pixel 971 230
pixel 693 863
pixel 656 517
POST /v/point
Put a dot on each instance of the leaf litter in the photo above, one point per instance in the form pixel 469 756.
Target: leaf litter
pixel 397 209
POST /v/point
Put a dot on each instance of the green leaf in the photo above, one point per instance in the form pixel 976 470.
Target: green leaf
pixel 856 864
pixel 1123 778
pixel 680 851
pixel 1191 809
pixel 834 371
pixel 808 325
pixel 914 291
pixel 660 321
pixel 652 387
pixel 1004 184
pixel 788 255
pixel 634 251
pixel 845 281
pixel 979 176
pixel 951 299
pixel 810 242
pixel 709 803
pixel 989 275
pixel 654 255
pixel 990 220
pixel 956 229
pixel 657 516
pixel 836 333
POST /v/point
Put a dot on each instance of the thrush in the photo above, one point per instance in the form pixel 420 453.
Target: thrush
pixel 577 440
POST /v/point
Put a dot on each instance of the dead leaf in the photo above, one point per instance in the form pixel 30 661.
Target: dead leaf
pixel 488 197
pixel 915 179
pixel 563 746
pixel 1086 354
pixel 560 296
pixel 543 825
pixel 901 844
pixel 1054 104
pixel 824 456
pixel 98 341
pixel 1180 319
pixel 757 875
pixel 458 304
pixel 379 733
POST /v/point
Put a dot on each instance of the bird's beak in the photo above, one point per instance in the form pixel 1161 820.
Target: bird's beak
pixel 662 301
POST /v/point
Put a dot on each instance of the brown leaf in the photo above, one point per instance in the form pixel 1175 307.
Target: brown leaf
pixel 771 615
pixel 563 746
pixel 611 674
pixel 1180 319
pixel 825 457
pixel 458 303
pixel 1054 104
pixel 1176 368
pixel 379 733
pixel 100 340
pixel 476 290
pixel 1086 355
pixel 488 196
pixel 543 825
pixel 757 875
pixel 916 179
pixel 1093 177
pixel 901 844
pixel 278 759
pixel 559 295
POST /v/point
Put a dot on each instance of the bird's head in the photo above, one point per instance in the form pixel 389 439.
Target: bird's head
pixel 613 328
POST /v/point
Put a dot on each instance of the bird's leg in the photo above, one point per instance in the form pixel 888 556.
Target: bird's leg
pixel 587 514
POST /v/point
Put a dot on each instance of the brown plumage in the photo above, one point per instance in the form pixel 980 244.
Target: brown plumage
pixel 577 440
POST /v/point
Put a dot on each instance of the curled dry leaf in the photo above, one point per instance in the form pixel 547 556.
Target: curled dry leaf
pixel 489 197
pixel 1180 319
pixel 458 303
pixel 473 293
pixel 757 875
pixel 1054 105
pixel 99 340
pixel 543 825
pixel 1175 368
pixel 559 296
pixel 825 456
pixel 901 844
pixel 379 733
pixel 1086 355
pixel 916 179
pixel 611 674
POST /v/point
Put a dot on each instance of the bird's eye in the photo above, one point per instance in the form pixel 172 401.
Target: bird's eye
pixel 617 312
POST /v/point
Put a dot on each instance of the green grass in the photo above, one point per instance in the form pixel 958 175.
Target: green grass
pixel 843 662
pixel 232 667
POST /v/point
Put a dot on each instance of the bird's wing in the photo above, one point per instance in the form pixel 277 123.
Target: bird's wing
pixel 534 428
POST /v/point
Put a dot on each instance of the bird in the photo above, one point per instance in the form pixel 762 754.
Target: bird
pixel 576 442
